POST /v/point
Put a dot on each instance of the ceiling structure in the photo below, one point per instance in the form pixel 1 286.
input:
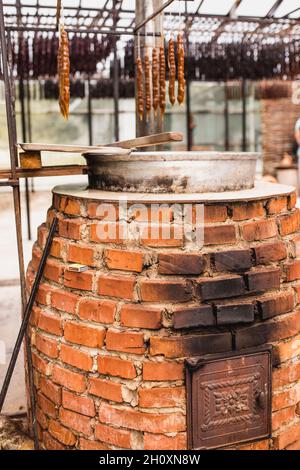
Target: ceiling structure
pixel 218 21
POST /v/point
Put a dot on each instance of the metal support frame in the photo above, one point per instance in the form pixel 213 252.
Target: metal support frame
pixel 244 114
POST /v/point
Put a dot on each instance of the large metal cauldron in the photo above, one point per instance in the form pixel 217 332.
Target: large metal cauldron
pixel 171 172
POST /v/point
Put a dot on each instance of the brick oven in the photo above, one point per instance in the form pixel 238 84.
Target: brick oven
pixel 159 344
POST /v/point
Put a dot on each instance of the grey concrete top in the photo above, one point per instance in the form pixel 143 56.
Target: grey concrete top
pixel 261 190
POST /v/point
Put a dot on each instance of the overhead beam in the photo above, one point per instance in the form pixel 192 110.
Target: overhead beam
pixel 274 8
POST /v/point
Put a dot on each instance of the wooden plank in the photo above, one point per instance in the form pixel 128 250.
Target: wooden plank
pixel 30 160
pixel 35 147
pixel 149 140
pixel 61 170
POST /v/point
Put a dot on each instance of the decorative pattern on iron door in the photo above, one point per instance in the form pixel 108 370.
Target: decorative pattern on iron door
pixel 229 399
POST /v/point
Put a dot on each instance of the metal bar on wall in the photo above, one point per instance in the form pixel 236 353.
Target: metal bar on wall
pixel 116 90
pixel 226 117
pixel 90 112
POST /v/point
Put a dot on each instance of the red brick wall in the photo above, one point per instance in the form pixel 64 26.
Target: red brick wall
pixel 108 344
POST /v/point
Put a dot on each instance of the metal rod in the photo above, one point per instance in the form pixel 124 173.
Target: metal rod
pixel 116 90
pixel 24 137
pixel 226 117
pixel 27 312
pixel 41 29
pixel 12 138
pixel 244 115
pixel 89 114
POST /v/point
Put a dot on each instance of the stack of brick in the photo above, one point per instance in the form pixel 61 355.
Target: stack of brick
pixel 108 344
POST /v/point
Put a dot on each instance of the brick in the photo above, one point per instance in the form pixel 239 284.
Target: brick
pixel 286 375
pixel 117 286
pixel 76 421
pixel 150 422
pixel 232 261
pixel 50 323
pixel 83 334
pixel 294 446
pixel 161 397
pixel 261 445
pixel 98 311
pixel 180 263
pixel 40 364
pixel 185 346
pixel 47 346
pixel 53 271
pixel 234 313
pixel 292 200
pixel 287 398
pixel 64 301
pixel 75 358
pixel 219 234
pixel 50 390
pixel 124 260
pixel 161 371
pixel 69 206
pixel 192 317
pixel 289 436
pixel 68 379
pixel 221 287
pixel 153 214
pixel 50 443
pixel 162 442
pixel 293 270
pixel 70 228
pixel 282 417
pixel 57 246
pixel 140 316
pixel 89 444
pixel 41 418
pixel 296 245
pixel 36 257
pixel 42 234
pixel 116 367
pixel 106 389
pixel 259 230
pixel 289 223
pixel 44 294
pixel 50 216
pixel 114 436
pixel 107 232
pixel 80 281
pixel 289 349
pixel 156 290
pixel 278 304
pixel 80 404
pixel 214 213
pixel 252 210
pixel 282 328
pixel 81 254
pixel 269 252
pixel 125 342
pixel 98 210
pixel 162 236
pixel 47 406
pixel 275 206
pixel 61 434
pixel 263 279
pixel 35 316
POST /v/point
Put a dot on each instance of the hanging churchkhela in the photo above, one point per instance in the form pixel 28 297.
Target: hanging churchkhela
pixel 63 66
pixel 147 84
pixel 172 71
pixel 155 80
pixel 139 84
pixel 180 69
pixel 162 80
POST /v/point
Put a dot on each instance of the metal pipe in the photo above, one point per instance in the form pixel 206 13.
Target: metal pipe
pixel 24 137
pixel 27 312
pixel 116 90
pixel 12 138
pixel 244 115
pixel 226 117
pixel 89 112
